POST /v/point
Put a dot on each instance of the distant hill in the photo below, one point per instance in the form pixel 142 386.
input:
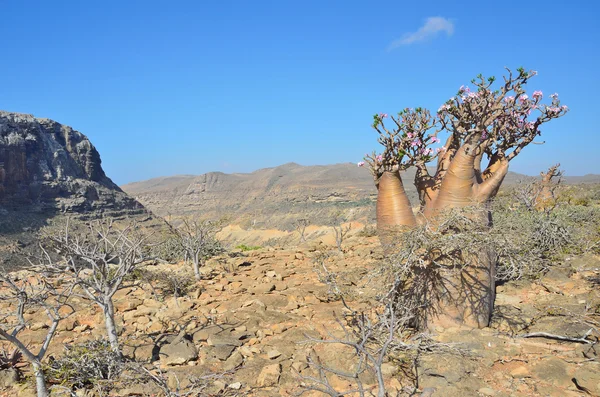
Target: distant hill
pixel 276 197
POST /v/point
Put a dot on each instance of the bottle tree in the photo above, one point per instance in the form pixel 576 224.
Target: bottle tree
pixel 489 122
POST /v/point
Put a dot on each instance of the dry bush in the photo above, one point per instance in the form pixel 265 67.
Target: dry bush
pixel 9 358
pixel 85 365
pixel 521 243
pixel 377 335
pixel 168 250
pixel 367 231
pixel 208 385
pixel 166 283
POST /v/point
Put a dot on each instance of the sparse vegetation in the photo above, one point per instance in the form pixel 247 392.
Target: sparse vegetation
pixel 86 364
pixel 99 260
pixel 244 247
pixel 197 238
pixel 22 295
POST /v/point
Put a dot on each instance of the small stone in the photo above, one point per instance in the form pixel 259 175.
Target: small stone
pixel 520 372
pixel 263 288
pixel 234 361
pixel 273 354
pixel 81 328
pixel 486 391
pixel 222 352
pixel 235 386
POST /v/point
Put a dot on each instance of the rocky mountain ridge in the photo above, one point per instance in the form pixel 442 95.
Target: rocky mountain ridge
pixel 276 197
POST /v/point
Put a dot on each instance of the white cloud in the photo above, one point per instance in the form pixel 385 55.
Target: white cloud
pixel 432 26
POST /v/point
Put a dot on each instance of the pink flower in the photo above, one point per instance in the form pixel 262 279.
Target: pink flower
pixel 523 98
pixel 554 96
pixel 509 99
pixel 554 110
pixel 464 88
pixel 537 95
pixel 415 143
pixel 530 125
pixel 427 152
pixel 435 139
pixel 564 107
pixel 440 149
pixel 360 163
pixel 410 135
pixel 379 158
pixel 382 115
pixel 443 107
pixel 532 73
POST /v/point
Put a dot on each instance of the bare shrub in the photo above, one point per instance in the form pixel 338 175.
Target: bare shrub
pixel 9 359
pixel 201 386
pixel 379 334
pixel 169 250
pixel 165 283
pixel 24 294
pixel 367 231
pixel 340 234
pixel 197 239
pixel 86 364
pixel 300 225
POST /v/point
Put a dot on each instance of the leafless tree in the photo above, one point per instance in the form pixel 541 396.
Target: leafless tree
pixel 99 259
pixel 19 295
pixel 340 234
pixel 300 226
pixel 198 240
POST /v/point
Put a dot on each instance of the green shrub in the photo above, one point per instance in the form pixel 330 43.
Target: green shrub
pixel 244 247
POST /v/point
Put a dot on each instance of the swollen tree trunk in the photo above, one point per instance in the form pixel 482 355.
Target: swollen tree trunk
pixel 40 380
pixel 393 207
pixel 463 293
pixel 545 199
pixel 111 328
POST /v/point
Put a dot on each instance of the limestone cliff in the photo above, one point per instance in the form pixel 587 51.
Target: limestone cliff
pixel 50 170
pixel 51 166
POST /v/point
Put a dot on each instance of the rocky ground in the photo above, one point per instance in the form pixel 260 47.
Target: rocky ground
pixel 250 318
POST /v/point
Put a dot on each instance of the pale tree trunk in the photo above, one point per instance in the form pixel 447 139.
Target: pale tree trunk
pixel 40 380
pixel 111 328
pixel 196 261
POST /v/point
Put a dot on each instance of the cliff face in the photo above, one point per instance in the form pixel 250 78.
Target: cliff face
pixel 49 171
pixel 47 166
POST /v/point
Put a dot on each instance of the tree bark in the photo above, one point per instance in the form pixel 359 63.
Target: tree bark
pixel 196 261
pixel 464 294
pixel 393 207
pixel 111 328
pixel 40 380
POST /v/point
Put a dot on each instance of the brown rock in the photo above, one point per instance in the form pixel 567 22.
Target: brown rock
pixel 178 353
pixel 269 376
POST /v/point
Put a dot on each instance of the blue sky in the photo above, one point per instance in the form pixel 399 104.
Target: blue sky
pixel 187 87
